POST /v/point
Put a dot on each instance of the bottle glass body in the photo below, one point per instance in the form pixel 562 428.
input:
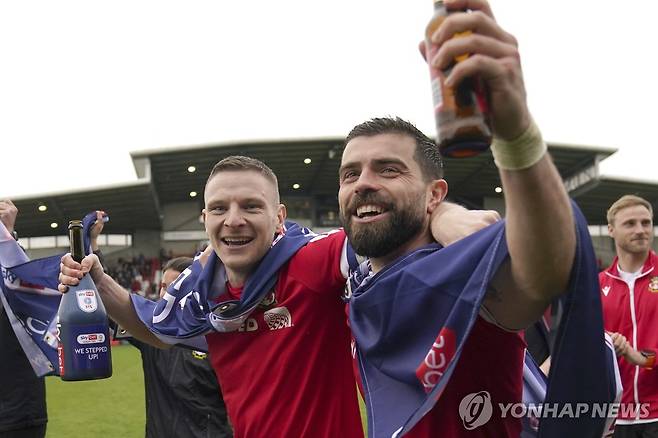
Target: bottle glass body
pixel 462 116
pixel 83 333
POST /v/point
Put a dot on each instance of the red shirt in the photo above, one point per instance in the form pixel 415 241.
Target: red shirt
pixel 491 361
pixel 287 371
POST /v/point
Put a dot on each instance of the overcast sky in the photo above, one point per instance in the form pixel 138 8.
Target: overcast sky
pixel 83 83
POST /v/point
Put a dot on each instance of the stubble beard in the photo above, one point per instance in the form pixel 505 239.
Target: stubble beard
pixel 638 248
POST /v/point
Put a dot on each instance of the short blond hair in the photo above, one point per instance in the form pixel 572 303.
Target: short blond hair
pixel 625 202
pixel 241 163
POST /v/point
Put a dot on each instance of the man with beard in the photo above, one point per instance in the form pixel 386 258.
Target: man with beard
pixel 629 292
pixel 391 184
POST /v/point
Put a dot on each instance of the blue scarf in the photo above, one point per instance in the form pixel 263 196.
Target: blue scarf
pixel 434 294
pixel 187 312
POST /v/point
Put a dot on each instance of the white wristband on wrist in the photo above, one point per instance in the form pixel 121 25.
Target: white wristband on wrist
pixel 520 153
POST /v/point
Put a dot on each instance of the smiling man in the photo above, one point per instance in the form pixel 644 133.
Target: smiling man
pixel 629 292
pixel 390 185
pixel 286 372
pixel 297 338
pixel 242 214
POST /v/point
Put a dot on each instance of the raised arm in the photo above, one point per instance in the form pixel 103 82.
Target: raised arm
pixel 540 226
pixel 8 213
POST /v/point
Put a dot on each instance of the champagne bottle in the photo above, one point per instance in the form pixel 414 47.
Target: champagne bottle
pixel 83 348
pixel 462 115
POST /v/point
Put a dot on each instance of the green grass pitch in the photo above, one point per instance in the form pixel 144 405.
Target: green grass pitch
pixel 105 408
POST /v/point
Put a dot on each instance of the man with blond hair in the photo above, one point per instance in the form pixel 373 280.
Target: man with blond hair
pixel 629 293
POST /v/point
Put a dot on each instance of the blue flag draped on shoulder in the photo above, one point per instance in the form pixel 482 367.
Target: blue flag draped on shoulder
pixel 187 311
pixel 433 295
pixel 30 298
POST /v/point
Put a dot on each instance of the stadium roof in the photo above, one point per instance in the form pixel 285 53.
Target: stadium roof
pixel 595 201
pixel 163 177
pixel 131 205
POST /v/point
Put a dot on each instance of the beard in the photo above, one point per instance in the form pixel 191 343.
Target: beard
pixel 381 238
pixel 637 246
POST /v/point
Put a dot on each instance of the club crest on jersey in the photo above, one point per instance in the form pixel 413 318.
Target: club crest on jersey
pixel 653 285
pixel 278 318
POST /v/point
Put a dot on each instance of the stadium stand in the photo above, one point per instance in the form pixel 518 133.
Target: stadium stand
pixel 159 213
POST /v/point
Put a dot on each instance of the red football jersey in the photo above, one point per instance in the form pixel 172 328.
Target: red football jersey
pixel 287 371
pixel 491 362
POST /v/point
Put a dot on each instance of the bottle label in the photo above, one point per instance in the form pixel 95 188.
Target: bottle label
pixel 437 94
pixel 86 300
pixel 91 338
pixel 86 348
pixel 437 79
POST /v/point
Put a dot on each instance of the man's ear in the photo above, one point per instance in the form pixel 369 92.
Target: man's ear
pixel 438 190
pixel 204 219
pixel 611 228
pixel 281 215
